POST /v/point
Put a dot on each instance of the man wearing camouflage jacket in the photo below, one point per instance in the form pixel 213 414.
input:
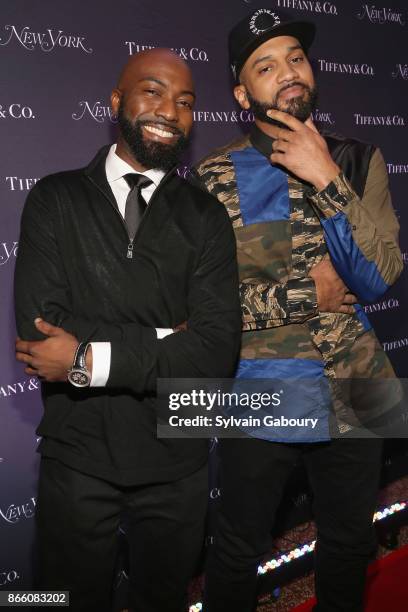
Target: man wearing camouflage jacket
pixel 316 236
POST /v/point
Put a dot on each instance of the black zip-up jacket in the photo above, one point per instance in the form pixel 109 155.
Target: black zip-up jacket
pixel 72 270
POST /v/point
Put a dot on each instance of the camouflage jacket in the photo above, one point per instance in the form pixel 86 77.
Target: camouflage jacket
pixel 283 227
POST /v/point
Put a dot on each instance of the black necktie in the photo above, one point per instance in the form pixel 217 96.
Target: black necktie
pixel 135 204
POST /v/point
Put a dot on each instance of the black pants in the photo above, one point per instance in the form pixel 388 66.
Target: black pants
pixel 78 518
pixel 344 477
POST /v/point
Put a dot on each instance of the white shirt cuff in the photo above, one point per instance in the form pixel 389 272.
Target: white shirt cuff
pixel 101 359
pixel 162 332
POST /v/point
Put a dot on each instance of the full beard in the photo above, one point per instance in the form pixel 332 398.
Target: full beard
pixel 300 107
pixel 148 153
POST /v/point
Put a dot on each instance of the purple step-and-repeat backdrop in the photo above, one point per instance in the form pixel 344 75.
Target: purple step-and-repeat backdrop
pixel 59 62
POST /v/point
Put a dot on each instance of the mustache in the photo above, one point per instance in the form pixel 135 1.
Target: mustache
pixel 163 124
pixel 293 84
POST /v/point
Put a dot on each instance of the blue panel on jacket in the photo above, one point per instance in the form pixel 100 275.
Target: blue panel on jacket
pixel 280 368
pixel 360 275
pixel 302 412
pixel 263 188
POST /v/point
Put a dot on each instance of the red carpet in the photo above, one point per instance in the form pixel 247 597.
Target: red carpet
pixel 387 585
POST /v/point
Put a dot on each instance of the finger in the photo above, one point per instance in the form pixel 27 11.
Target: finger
pixel 286 135
pixel 32 372
pixel 24 346
pixel 347 309
pixel 23 357
pixel 46 328
pixel 280 145
pixel 350 298
pixel 288 120
pixel 278 158
pixel 283 134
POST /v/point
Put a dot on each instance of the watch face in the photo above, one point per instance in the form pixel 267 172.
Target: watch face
pixel 79 378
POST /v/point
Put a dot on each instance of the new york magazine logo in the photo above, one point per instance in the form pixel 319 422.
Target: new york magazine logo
pixel 97 110
pixel 186 53
pixel 8 251
pixel 323 117
pixel 381 15
pixel 15 512
pixel 48 40
pixel 311 6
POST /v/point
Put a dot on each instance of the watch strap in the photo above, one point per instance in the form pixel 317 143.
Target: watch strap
pixel 80 355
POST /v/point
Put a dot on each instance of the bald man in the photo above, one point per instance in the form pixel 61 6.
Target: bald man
pixel 120 255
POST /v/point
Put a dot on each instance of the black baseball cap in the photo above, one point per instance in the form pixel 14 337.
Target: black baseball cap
pixel 258 27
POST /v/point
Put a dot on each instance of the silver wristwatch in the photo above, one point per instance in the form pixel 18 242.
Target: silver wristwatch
pixel 78 374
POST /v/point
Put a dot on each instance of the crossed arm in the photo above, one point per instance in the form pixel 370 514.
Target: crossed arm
pixel 207 347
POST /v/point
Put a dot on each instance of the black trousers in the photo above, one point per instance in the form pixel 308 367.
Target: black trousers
pixel 78 518
pixel 343 475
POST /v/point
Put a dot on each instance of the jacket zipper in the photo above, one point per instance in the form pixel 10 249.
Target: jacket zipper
pixel 130 246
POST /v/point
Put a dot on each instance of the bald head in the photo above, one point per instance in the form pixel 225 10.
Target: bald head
pixel 154 101
pixel 151 60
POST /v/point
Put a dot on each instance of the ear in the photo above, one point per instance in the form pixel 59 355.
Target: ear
pixel 116 97
pixel 240 94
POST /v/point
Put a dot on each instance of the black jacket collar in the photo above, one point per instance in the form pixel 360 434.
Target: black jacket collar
pixel 261 141
pixel 97 174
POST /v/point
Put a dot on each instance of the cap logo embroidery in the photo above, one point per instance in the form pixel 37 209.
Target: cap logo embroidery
pixel 252 23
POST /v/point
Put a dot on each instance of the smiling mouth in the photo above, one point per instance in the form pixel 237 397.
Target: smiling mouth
pixel 163 133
